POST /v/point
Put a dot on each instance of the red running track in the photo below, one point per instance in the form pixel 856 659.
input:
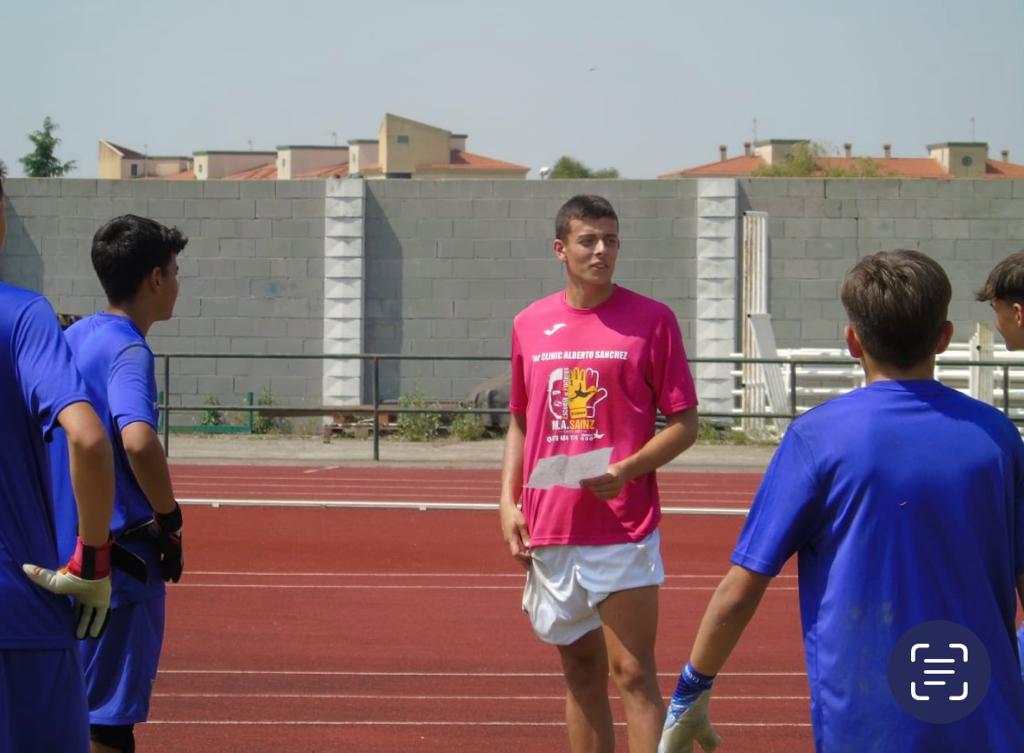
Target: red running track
pixel 311 629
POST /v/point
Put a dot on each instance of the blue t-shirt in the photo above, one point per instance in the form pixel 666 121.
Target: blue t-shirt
pixel 905 504
pixel 37 382
pixel 118 368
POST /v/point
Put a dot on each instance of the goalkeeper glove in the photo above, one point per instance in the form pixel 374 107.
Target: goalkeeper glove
pixel 86 579
pixel 163 529
pixel 687 718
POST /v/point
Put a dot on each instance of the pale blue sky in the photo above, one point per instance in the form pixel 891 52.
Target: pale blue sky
pixel 647 86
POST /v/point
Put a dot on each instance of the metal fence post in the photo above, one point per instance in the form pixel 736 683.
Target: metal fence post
pixel 376 408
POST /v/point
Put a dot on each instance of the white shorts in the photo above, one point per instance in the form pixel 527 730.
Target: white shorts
pixel 565 584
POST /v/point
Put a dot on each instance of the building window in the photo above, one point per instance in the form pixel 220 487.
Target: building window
pixel 967 161
pixel 135 170
pixel 199 168
pixel 403 138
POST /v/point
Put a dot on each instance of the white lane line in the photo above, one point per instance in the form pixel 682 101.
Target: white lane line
pixel 518 576
pixel 422 506
pixel 403 697
pixel 406 723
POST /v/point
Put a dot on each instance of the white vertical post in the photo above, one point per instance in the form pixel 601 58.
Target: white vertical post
pixel 344 245
pixel 980 385
pixel 716 290
pixel 754 301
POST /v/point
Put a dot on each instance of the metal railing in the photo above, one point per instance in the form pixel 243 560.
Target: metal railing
pixel 377 406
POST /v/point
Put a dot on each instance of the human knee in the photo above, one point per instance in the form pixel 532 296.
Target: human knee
pixel 119 737
pixel 632 674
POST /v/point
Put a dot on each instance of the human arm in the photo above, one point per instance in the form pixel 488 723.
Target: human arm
pixel 679 434
pixel 86 576
pixel 513 524
pixel 149 466
pixel 730 610
pixel 91 464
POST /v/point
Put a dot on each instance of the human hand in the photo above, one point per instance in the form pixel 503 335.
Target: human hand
pixel 513 531
pixel 164 529
pixel 86 579
pixel 606 486
pixel 687 718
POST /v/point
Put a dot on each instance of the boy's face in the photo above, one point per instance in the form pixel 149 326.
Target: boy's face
pixel 1009 322
pixel 590 251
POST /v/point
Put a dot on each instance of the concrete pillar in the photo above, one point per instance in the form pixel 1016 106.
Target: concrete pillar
pixel 717 275
pixel 344 271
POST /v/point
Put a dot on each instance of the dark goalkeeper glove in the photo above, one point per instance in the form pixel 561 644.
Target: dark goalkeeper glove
pixel 86 579
pixel 687 718
pixel 164 530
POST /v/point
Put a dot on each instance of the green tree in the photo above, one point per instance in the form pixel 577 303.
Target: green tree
pixel 42 162
pixel 803 163
pixel 568 168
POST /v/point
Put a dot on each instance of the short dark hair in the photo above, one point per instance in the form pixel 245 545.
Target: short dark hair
pixel 127 249
pixel 582 207
pixel 1005 281
pixel 897 301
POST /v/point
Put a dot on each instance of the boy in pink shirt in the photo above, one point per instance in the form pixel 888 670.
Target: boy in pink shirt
pixel 591 366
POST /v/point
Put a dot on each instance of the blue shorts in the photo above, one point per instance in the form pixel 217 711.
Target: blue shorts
pixel 120 666
pixel 42 702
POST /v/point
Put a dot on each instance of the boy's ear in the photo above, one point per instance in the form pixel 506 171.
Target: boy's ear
pixel 945 338
pixel 853 342
pixel 1018 314
pixel 155 278
pixel 559 248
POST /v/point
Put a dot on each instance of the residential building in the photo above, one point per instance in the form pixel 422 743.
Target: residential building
pixel 404 149
pixel 944 161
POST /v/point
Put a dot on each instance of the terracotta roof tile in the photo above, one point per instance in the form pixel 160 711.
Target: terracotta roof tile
pixel 888 167
pixel 460 160
pixel 891 167
pixel 334 171
pixel 260 172
pixel 741 165
pixel 997 169
pixel 125 150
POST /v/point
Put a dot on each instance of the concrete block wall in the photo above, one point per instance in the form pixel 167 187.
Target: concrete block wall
pixel 252 275
pixel 818 228
pixel 450 263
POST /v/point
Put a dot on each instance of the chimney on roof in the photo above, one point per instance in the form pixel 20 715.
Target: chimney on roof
pixel 887 148
pixel 848 148
pixel 722 150
pixel 747 149
pixel 1006 155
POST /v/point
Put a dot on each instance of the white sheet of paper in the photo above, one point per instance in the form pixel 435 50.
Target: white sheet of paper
pixel 569 470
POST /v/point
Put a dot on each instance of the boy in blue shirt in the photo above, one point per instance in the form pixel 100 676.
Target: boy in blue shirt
pixel 904 501
pixel 136 261
pixel 42 699
pixel 1004 291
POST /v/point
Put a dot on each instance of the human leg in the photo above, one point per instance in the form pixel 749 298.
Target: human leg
pixel 630 623
pixel 587 711
pixel 112 739
pixel 28 724
pixel 120 668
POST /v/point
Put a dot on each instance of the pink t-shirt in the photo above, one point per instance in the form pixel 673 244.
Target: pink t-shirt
pixel 587 379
